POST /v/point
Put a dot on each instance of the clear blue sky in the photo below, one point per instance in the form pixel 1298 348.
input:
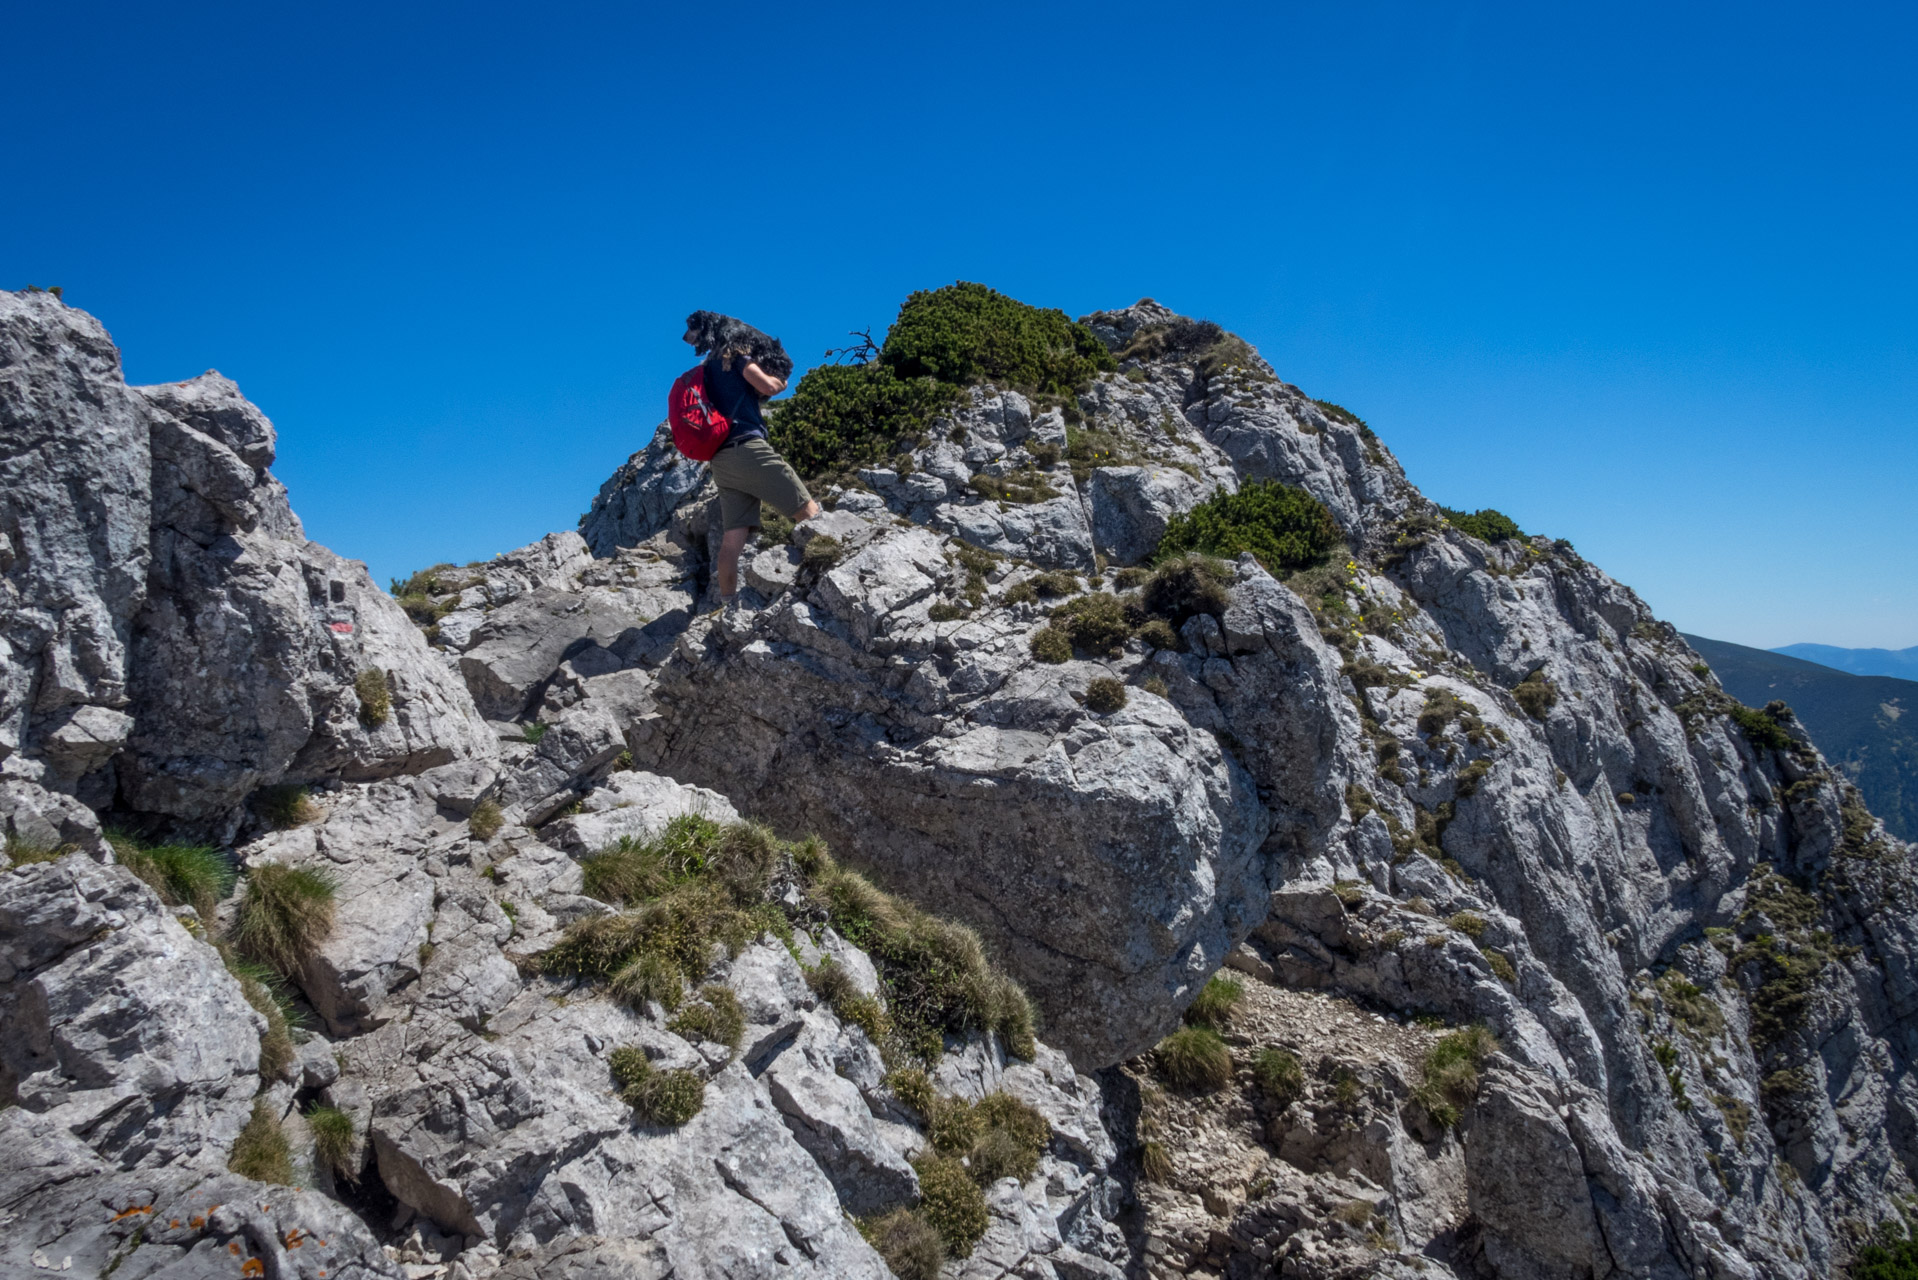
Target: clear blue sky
pixel 1640 275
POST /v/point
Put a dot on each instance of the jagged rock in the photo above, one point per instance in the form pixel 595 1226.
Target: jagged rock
pixel 580 743
pixel 1131 506
pixel 831 1120
pixel 122 1029
pixel 638 500
pixel 634 804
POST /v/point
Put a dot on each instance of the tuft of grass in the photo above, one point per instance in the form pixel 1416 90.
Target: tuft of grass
pixel 1049 644
pixel 668 1098
pixel 1279 1076
pixel 23 852
pixel 1449 1075
pixel 911 1086
pixel 634 870
pixel 486 819
pixel 1215 1003
pixel 1095 622
pixel 284 806
pixel 715 1016
pixel 1158 634
pixel 333 1140
pixel 284 914
pixel 1285 527
pixel 1013 1136
pixel 376 699
pixel 261 1151
pixel 1154 1162
pixel 266 992
pixel 534 732
pixel 1194 1059
pixel 908 1241
pixel 1535 694
pixel 951 1202
pixel 1183 587
pixel 1105 695
pixel 1469 923
pixel 822 553
pixel 197 876
pixel 650 976
pixel 1501 965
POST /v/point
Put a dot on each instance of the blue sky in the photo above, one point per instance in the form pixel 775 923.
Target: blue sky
pixel 1640 275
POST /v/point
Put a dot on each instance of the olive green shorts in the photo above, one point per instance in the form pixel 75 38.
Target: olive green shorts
pixel 752 472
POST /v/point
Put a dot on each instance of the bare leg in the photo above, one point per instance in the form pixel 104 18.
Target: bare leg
pixel 730 545
pixel 806 512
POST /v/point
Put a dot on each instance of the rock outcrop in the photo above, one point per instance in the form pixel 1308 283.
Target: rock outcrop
pixel 1580 969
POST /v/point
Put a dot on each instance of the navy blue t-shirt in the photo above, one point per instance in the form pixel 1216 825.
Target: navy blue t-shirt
pixel 733 396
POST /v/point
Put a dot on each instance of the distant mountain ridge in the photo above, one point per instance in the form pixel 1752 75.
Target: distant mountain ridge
pixel 1901 663
pixel 1867 725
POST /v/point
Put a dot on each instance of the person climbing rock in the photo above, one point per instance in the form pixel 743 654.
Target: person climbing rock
pixel 743 368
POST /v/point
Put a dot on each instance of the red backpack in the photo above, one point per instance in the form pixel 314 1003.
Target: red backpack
pixel 698 428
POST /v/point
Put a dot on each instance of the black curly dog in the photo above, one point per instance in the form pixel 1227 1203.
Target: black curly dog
pixel 710 331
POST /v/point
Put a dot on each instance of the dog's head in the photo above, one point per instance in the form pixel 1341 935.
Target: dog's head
pixel 710 331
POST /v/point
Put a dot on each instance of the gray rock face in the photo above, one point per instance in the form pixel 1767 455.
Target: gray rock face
pixel 638 500
pixel 202 647
pixel 1131 506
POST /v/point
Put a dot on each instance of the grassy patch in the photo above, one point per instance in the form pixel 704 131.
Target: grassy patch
pixel 333 1140
pixel 1185 586
pixel 284 806
pixel 284 915
pixel 1278 1076
pixel 1194 1059
pixel 1050 644
pixel 266 991
pixel 1095 622
pixel 1469 923
pixel 1215 1003
pixel 486 819
pixel 261 1151
pixel 951 1202
pixel 22 852
pixel 1105 695
pixel 701 886
pixel 668 1098
pixel 1449 1075
pixel 908 1241
pixel 715 1016
pixel 1285 527
pixel 197 876
pixel 376 700
pixel 1535 694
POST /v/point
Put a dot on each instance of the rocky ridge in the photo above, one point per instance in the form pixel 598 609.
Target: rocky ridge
pixel 1438 780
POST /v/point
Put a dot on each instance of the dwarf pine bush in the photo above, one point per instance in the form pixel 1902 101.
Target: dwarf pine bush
pixel 1285 527
pixel 1484 524
pixel 966 333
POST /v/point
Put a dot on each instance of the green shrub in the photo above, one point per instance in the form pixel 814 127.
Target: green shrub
pixel 1095 622
pixel 952 1202
pixel 1761 728
pixel 287 805
pixel 1486 525
pixel 908 1242
pixel 1049 644
pixel 333 1140
pixel 1892 1259
pixel 486 819
pixel 668 1098
pixel 715 1016
pixel 261 1152
pixel 967 333
pixel 1285 527
pixel 1157 633
pixel 1449 1075
pixel 1105 695
pixel 284 914
pixel 196 876
pixel 1535 694
pixel 911 1086
pixel 1195 1059
pixel 1279 1076
pixel 841 417
pixel 1215 1003
pixel 376 700
pixel 1469 923
pixel 1185 586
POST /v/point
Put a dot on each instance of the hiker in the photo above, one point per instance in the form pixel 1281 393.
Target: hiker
pixel 747 469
